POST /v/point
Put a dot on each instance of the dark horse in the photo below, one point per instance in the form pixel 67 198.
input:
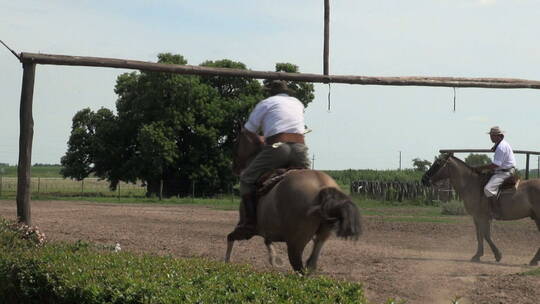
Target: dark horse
pixel 305 205
pixel 521 203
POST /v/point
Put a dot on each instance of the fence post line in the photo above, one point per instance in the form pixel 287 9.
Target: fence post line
pixel 118 190
pixel 1 180
pixel 38 184
pixel 82 187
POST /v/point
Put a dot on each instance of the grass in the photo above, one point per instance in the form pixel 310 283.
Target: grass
pixel 225 203
pixel 37 171
pixel 535 272
pixel 391 212
pixel 420 219
pixel 84 273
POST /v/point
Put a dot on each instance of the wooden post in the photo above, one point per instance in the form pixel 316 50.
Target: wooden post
pixel 527 167
pixel 326 37
pixel 25 144
pixel 161 189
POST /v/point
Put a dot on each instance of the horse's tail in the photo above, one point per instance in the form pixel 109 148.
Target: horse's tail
pixel 335 207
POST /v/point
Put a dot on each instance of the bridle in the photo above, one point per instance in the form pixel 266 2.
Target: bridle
pixel 437 166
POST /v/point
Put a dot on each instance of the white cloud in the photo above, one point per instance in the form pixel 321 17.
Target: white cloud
pixel 487 2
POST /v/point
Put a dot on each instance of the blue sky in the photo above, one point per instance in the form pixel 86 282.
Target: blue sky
pixel 366 127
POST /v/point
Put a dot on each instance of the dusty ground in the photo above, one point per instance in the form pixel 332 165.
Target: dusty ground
pixel 417 262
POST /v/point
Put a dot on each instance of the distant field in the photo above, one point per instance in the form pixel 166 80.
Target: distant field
pixel 47 181
pixel 56 186
pixel 36 171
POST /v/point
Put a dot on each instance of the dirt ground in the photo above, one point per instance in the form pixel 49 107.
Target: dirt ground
pixel 412 261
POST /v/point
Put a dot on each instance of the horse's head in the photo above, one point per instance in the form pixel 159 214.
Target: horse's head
pixel 438 171
pixel 246 146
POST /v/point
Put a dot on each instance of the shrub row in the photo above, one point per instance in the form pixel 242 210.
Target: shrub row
pixel 85 273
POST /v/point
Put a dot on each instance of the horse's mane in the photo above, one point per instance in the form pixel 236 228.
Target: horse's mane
pixel 463 163
pixel 483 176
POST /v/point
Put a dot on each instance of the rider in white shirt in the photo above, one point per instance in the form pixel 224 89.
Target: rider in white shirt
pixel 280 118
pixel 503 164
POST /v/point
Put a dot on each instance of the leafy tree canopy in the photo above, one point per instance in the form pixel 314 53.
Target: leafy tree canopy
pixel 475 160
pixel 168 127
pixel 421 164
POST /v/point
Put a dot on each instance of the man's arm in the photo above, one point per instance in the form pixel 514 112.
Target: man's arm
pixel 253 137
pixel 489 167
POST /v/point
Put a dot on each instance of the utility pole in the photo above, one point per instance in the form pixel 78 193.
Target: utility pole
pixel 313 162
pixel 400 160
pixel 538 168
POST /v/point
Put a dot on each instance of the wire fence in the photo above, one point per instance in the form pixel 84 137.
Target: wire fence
pixel 403 191
pixel 69 187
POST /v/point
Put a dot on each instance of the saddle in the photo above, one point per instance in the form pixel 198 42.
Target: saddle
pixel 509 185
pixel 267 181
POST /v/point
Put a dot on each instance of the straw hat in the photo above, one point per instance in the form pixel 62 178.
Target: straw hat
pixel 495 131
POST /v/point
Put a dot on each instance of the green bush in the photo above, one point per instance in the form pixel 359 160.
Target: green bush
pixel 453 208
pixel 83 273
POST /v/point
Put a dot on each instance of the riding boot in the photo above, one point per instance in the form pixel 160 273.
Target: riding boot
pixel 251 211
pixel 247 225
pixel 495 207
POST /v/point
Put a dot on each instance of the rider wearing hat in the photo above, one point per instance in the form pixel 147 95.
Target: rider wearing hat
pixel 280 119
pixel 503 165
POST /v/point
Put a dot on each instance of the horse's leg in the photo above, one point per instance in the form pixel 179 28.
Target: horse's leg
pixel 536 258
pixel 295 250
pixel 318 243
pixel 274 260
pixel 487 236
pixel 480 240
pixel 230 243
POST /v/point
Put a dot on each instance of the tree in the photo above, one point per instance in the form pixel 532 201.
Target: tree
pixel 172 129
pixel 421 165
pixel 475 160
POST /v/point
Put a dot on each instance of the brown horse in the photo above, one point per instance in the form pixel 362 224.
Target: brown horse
pixel 521 203
pixel 305 205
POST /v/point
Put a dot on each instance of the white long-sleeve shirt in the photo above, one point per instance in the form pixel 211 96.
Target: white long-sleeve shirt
pixel 504 156
pixel 280 113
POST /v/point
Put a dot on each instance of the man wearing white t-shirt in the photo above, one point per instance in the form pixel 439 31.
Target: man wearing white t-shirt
pixel 280 119
pixel 503 164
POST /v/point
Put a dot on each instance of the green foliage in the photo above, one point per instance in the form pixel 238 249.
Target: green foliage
pixel 170 127
pixel 534 272
pixel 344 177
pixel 37 170
pixel 303 90
pixel 82 273
pixel 421 165
pixel 453 208
pixel 475 160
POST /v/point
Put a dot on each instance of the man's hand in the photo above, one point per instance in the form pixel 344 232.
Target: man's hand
pixel 253 137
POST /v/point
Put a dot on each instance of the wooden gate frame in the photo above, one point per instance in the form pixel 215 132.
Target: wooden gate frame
pixel 30 60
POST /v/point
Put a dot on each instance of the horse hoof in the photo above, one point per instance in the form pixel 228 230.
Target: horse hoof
pixel 475 259
pixel 498 258
pixel 533 263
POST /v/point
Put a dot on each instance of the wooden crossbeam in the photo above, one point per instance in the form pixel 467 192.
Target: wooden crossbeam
pixel 453 82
